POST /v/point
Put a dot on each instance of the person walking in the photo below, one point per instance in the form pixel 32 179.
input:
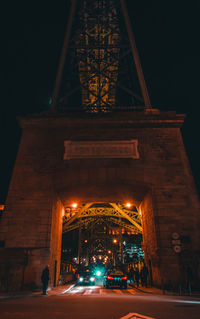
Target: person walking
pixel 137 277
pixel 45 279
pixel 144 275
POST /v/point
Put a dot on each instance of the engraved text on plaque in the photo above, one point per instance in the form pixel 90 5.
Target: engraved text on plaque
pixel 101 149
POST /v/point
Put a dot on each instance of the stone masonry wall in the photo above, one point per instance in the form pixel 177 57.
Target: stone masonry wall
pixel 41 176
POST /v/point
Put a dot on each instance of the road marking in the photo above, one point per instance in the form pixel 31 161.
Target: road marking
pixel 118 291
pixel 87 292
pixel 65 291
pixel 135 316
pixel 74 291
pixel 127 316
pixel 131 291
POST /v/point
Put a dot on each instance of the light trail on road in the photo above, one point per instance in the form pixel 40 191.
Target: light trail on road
pixel 130 292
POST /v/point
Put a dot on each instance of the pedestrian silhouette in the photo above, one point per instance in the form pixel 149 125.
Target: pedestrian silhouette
pixel 144 275
pixel 45 279
pixel 137 277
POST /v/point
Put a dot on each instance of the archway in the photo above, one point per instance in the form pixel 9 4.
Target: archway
pixel 86 205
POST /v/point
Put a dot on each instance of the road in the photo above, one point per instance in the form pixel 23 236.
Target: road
pixel 87 302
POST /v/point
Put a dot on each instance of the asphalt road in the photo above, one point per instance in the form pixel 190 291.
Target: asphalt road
pixel 89 302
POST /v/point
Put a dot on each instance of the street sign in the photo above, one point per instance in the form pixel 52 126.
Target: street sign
pixel 177 249
pixel 176 242
pixel 135 316
pixel 175 235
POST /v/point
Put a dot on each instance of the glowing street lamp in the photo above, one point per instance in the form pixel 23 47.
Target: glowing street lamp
pixel 128 205
pixel 114 241
pixel 74 205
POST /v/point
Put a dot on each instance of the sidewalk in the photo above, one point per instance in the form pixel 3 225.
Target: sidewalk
pixel 59 290
pixel 157 291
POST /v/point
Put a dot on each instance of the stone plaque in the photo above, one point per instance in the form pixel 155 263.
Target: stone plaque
pixel 101 149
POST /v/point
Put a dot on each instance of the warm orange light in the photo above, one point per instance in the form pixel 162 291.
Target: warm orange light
pixel 74 205
pixel 114 241
pixel 63 212
pixel 86 241
pixel 2 207
pixel 128 205
pixel 109 251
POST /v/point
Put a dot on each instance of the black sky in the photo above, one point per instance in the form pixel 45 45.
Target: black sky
pixel 167 37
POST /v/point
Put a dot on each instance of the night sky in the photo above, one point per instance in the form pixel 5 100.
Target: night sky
pixel 167 38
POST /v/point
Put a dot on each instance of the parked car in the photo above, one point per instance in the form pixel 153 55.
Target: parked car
pixel 115 278
pixel 86 277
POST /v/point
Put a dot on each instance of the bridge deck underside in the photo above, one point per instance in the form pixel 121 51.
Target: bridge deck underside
pixel 111 213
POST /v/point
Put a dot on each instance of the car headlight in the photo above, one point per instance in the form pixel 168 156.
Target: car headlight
pixel 98 273
pixel 92 279
pixel 81 279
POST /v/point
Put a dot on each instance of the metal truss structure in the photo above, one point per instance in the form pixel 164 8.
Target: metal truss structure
pixel 109 213
pixel 97 72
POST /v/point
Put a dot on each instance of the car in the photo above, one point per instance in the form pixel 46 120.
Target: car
pixel 115 278
pixel 86 277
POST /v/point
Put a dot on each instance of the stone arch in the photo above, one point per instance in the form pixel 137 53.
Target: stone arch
pixel 104 192
pixel 141 196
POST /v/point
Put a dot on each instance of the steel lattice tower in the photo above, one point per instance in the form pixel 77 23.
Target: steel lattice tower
pixel 99 68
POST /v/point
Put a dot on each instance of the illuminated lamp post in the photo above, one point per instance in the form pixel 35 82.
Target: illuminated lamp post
pixel 121 245
pixel 79 245
pixel 2 209
pixel 74 205
pixel 114 254
pixel 128 205
pixel 87 252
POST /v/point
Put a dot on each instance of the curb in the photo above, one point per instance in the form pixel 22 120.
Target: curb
pixel 165 292
pixel 39 294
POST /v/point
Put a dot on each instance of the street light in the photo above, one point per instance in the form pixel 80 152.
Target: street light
pixel 74 205
pixel 128 205
pixel 114 241
pixel 2 209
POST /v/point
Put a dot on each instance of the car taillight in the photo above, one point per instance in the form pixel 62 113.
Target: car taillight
pixel 124 278
pixel 109 277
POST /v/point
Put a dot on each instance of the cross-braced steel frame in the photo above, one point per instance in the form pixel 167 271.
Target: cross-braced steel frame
pixel 110 213
pixel 99 68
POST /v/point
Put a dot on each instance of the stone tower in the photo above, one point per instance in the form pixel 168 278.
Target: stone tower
pixel 102 141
